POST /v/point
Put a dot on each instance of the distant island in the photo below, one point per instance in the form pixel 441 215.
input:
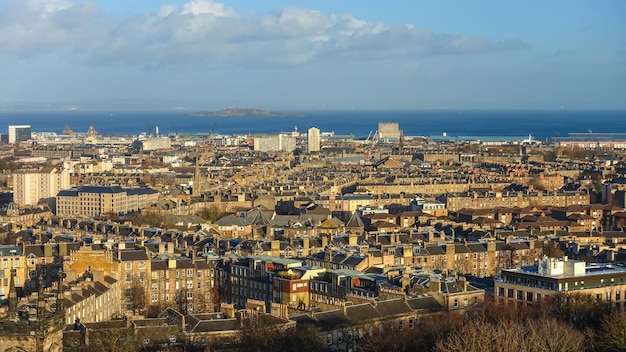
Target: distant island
pixel 244 112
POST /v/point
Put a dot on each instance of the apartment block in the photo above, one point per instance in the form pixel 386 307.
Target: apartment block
pixel 98 201
pixel 12 262
pixel 529 284
pixel 182 282
pixel 32 185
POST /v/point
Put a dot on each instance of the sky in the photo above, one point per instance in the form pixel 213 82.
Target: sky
pixel 322 54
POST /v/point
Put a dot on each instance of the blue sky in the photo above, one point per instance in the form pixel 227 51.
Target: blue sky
pixel 204 54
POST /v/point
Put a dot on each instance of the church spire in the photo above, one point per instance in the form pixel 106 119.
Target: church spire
pixel 60 301
pixel 40 301
pixel 12 293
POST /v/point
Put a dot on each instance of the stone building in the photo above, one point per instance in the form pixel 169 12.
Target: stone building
pixel 529 284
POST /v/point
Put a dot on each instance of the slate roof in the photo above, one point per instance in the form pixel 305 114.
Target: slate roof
pixel 131 255
pixel 435 250
pixel 424 302
pixel 392 307
pixel 361 312
pixel 355 221
pixel 477 247
pixel 101 189
pixel 10 250
pixel 330 318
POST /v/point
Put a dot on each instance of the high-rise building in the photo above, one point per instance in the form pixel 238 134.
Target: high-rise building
pixel 31 186
pixel 313 139
pixel 275 143
pixel 19 133
pixel 389 132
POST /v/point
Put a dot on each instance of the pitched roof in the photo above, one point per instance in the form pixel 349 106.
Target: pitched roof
pixel 355 221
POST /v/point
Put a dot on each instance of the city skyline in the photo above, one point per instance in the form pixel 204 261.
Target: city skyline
pixel 198 54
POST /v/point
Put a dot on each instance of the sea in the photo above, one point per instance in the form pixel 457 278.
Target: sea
pixel 541 124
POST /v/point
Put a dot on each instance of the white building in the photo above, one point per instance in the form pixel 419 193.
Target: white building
pixel 32 185
pixel 19 133
pixel 313 139
pixel 275 143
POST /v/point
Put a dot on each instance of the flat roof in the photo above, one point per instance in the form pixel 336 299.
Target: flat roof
pixel 593 269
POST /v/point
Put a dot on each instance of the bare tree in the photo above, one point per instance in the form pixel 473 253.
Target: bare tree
pixel 552 249
pixel 266 338
pixel 550 335
pixel 481 335
pixel 611 335
pixel 137 295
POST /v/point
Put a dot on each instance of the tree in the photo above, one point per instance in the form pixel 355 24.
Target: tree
pixel 540 334
pixel 212 213
pixel 267 338
pixel 582 311
pixel 481 335
pixel 110 339
pixel 611 336
pixel 552 249
pixel 426 333
pixel 152 219
pixel 137 295
pixel 548 334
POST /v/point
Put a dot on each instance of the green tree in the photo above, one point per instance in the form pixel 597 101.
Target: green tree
pixel 152 220
pixel 212 213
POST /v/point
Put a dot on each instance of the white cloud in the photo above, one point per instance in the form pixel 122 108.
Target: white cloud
pixel 37 26
pixel 49 6
pixel 206 7
pixel 208 32
pixel 168 9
